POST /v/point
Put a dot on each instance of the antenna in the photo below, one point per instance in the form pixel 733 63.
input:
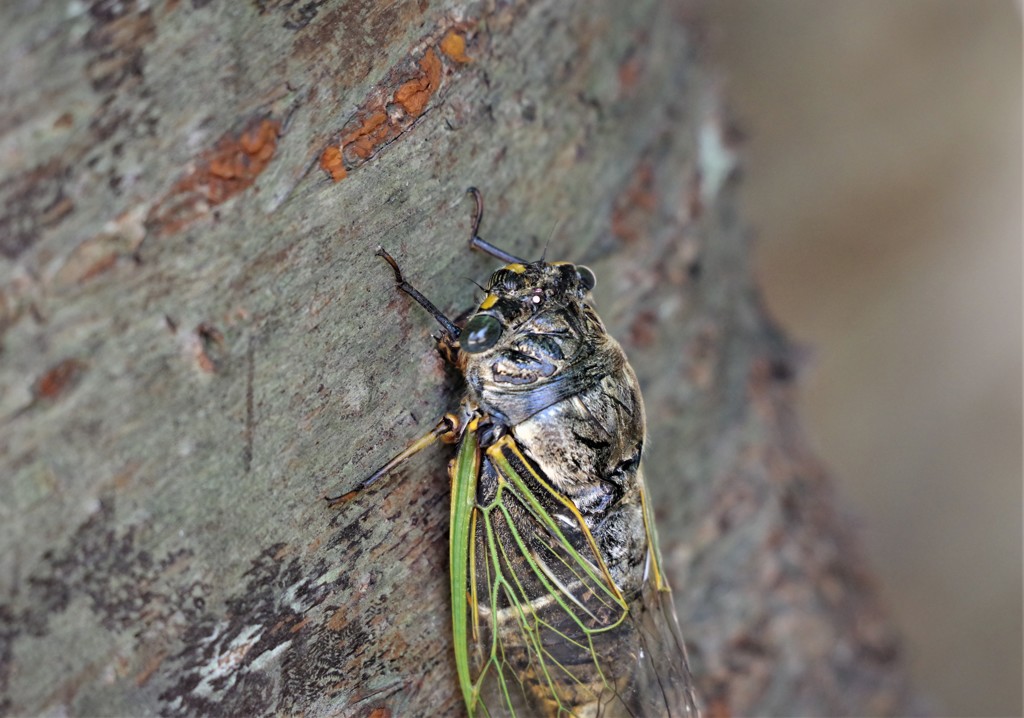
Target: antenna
pixel 544 255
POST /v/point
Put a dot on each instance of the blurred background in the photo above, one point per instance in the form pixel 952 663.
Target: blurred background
pixel 883 181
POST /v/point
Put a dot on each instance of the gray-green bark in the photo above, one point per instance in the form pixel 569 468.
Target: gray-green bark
pixel 198 344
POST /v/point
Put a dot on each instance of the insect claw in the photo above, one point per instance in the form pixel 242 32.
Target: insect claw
pixel 478 214
pixel 381 252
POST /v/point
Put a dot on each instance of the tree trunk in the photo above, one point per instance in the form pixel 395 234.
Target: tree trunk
pixel 198 344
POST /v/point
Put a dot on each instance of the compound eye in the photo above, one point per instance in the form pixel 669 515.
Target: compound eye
pixel 587 278
pixel 480 334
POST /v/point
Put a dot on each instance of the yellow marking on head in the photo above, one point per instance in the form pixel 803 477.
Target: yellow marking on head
pixel 517 268
pixel 556 264
pixel 489 301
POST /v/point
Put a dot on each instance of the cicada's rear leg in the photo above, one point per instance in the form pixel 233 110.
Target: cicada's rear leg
pixel 450 426
pixel 448 430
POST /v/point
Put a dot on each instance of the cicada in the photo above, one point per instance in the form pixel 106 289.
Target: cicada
pixel 560 606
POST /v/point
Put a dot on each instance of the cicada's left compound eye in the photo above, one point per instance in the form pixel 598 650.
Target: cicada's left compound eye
pixel 587 279
pixel 481 333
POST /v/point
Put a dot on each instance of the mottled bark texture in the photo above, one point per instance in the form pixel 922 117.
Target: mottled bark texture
pixel 198 344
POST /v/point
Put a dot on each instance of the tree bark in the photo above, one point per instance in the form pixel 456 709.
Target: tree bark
pixel 198 344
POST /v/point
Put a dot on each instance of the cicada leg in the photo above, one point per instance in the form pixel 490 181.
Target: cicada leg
pixel 448 341
pixel 451 332
pixel 446 430
pixel 477 242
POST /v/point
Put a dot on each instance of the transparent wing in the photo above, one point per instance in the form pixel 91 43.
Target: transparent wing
pixel 551 634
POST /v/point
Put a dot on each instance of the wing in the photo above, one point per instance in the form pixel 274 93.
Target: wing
pixel 546 630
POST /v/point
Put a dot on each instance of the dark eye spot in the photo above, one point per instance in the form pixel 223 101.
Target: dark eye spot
pixel 587 279
pixel 480 334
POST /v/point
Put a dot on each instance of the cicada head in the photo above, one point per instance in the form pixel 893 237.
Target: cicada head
pixel 534 328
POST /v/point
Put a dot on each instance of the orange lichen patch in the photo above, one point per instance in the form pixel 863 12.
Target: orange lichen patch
pixel 332 164
pixel 635 205
pixel 235 164
pixel 414 94
pixel 371 133
pixel 380 712
pixel 392 108
pixel 230 167
pixel 384 118
pixel 454 46
pixel 59 379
